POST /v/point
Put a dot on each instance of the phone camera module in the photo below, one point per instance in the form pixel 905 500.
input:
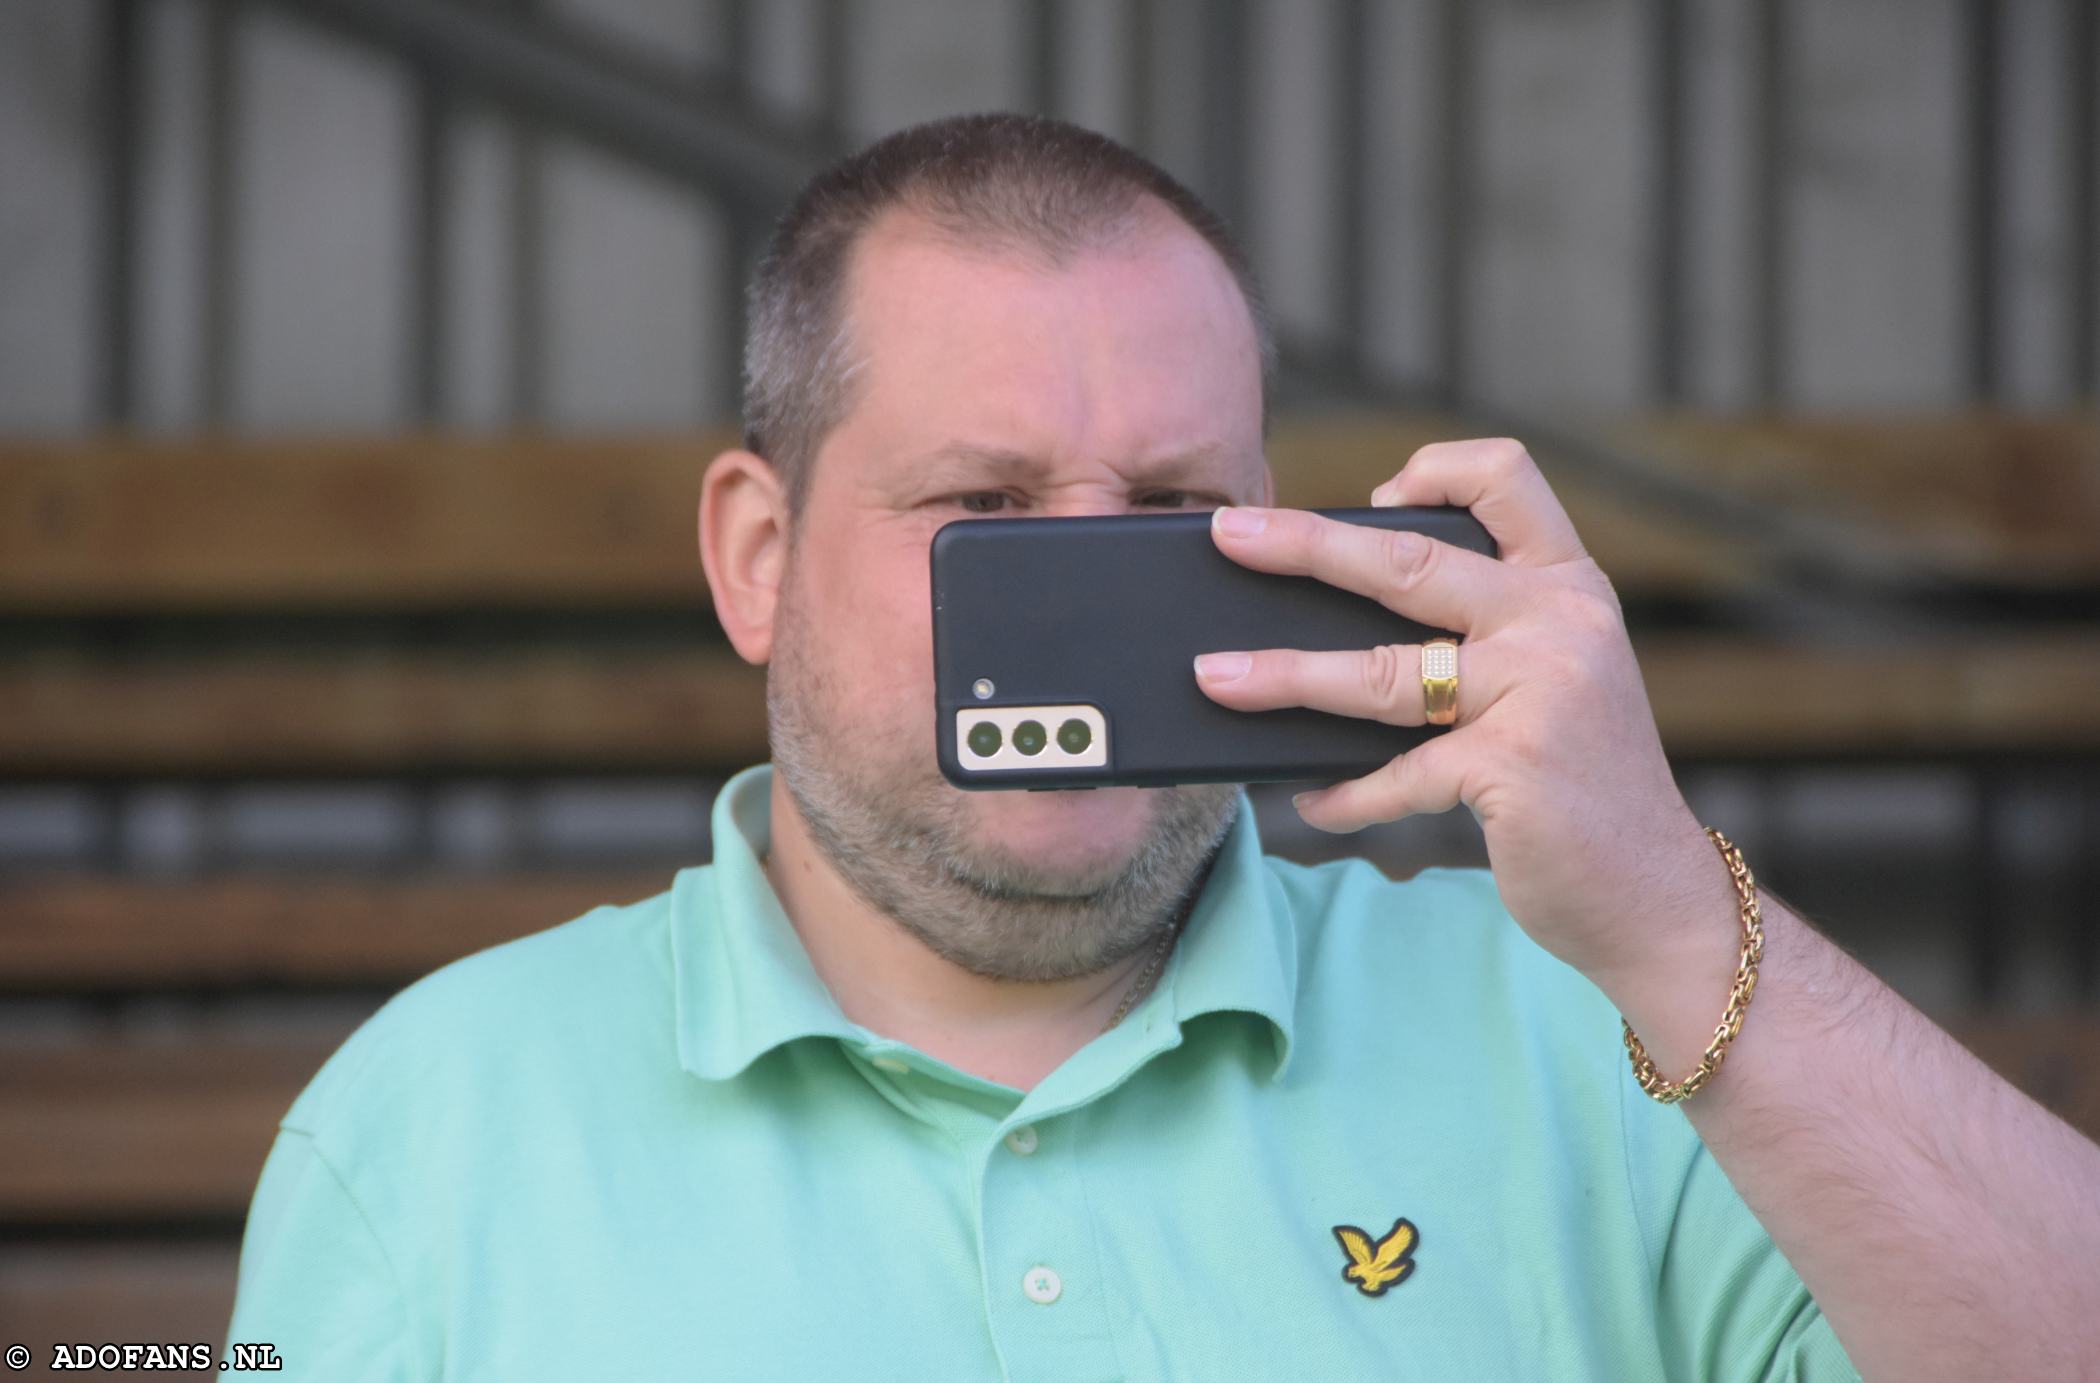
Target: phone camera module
pixel 1030 737
pixel 1074 736
pixel 984 739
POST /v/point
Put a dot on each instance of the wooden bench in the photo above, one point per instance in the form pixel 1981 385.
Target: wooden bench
pixel 111 936
pixel 128 1152
pixel 703 709
pixel 143 531
pixel 428 522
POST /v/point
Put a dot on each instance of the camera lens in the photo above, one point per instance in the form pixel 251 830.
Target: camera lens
pixel 984 739
pixel 1073 736
pixel 1030 737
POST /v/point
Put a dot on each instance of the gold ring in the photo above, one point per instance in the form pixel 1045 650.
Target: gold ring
pixel 1440 681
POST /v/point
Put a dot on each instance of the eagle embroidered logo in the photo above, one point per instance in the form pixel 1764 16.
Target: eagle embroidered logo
pixel 1376 1267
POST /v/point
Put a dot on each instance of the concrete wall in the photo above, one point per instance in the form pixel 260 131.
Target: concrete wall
pixel 1554 255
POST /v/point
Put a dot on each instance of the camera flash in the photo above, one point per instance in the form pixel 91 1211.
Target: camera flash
pixel 983 687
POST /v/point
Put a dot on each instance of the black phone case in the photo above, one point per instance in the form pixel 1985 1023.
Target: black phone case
pixel 1112 610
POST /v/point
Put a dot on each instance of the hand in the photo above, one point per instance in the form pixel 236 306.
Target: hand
pixel 1593 848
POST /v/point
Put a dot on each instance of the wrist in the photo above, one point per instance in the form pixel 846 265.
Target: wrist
pixel 1688 996
pixel 1675 921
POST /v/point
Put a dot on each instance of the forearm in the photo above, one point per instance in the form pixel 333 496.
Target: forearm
pixel 1946 1223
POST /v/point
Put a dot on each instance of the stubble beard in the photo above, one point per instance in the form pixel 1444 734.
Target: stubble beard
pixel 904 839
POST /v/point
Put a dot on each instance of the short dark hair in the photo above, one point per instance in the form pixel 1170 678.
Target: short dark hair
pixel 999 181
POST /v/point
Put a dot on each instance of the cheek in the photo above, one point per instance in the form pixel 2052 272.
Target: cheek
pixel 876 629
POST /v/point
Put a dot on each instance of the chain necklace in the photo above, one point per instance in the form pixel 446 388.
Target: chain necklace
pixel 1159 958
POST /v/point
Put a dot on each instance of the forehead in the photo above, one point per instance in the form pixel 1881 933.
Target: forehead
pixel 1141 343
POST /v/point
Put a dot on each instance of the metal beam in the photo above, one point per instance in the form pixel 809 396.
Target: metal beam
pixel 643 111
pixel 116 268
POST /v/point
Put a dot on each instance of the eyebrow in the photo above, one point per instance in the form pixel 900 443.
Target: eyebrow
pixel 1179 469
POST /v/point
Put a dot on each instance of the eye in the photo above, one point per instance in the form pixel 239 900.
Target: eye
pixel 981 501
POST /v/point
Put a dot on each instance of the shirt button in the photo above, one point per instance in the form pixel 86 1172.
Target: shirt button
pixel 1042 1285
pixel 1021 1138
pixel 890 1064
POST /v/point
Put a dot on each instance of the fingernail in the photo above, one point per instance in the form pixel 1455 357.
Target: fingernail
pixel 1222 667
pixel 1239 521
pixel 1299 800
pixel 1382 497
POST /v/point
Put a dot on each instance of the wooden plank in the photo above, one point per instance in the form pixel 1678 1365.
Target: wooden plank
pixel 94 933
pixel 140 1131
pixel 1721 696
pixel 364 712
pixel 1337 463
pixel 1979 497
pixel 135 1132
pixel 704 709
pixel 1976 497
pixel 430 521
pixel 112 1292
pixel 403 522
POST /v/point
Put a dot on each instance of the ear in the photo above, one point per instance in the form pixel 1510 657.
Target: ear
pixel 743 548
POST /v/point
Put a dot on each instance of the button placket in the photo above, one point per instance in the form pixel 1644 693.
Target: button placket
pixel 1037 1234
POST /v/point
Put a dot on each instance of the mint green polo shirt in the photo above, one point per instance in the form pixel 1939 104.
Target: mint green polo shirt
pixel 647 1144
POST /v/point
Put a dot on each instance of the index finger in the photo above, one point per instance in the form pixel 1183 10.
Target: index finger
pixel 1436 584
pixel 1496 478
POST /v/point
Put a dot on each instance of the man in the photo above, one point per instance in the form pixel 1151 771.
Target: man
pixel 917 1083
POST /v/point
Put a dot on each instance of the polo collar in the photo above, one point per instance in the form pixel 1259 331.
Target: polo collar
pixel 744 984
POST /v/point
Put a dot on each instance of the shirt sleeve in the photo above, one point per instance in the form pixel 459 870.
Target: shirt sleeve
pixel 1730 1308
pixel 314 1279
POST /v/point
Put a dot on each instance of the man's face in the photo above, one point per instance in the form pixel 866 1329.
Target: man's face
pixel 992 386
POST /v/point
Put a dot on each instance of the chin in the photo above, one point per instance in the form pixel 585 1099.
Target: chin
pixel 1066 831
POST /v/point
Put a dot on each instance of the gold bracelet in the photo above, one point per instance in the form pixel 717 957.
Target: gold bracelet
pixel 1738 998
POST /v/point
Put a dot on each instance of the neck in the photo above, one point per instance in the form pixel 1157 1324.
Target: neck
pixel 1013 1032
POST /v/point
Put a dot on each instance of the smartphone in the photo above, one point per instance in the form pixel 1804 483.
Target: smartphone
pixel 1063 652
